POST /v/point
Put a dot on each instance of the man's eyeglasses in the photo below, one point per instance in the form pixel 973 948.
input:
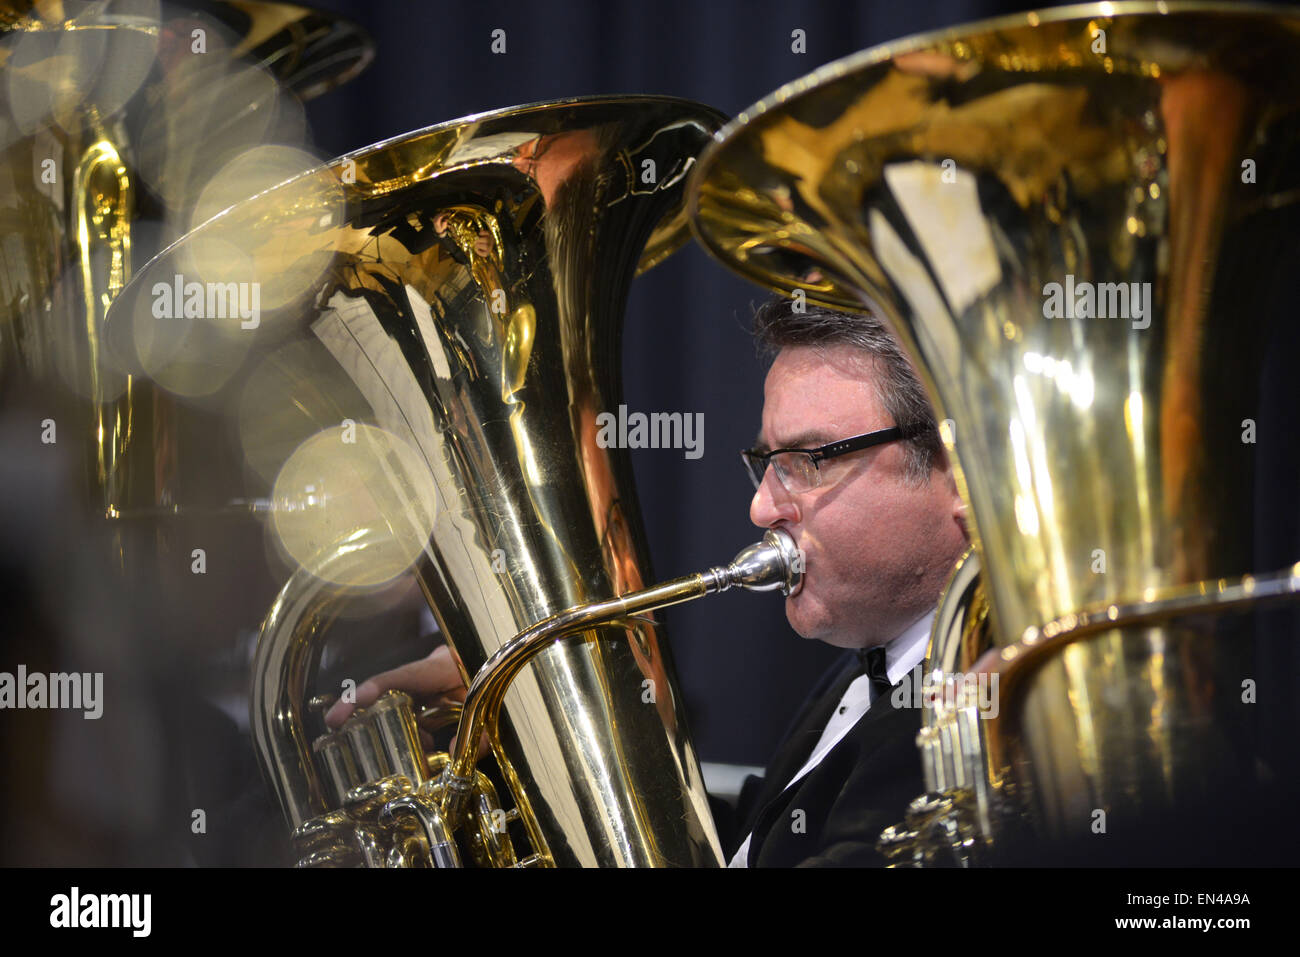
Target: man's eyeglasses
pixel 799 470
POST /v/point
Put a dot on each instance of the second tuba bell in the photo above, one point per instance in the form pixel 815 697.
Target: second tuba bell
pixel 1073 219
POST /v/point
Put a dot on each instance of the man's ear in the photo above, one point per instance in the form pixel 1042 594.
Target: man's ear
pixel 959 510
pixel 959 513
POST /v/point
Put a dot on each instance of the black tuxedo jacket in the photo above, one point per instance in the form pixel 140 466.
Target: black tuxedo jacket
pixel 861 787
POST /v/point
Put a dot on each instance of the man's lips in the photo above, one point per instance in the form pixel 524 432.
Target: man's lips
pixel 802 558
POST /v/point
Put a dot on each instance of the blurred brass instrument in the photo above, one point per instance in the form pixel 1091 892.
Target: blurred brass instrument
pixel 440 324
pixel 115 117
pixel 80 78
pixel 1070 218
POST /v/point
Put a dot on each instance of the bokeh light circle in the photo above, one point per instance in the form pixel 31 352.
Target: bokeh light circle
pixel 354 505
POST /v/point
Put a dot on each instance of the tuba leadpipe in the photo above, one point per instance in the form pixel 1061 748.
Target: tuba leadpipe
pixel 772 564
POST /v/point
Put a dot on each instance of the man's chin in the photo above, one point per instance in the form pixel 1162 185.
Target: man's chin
pixel 811 621
pixel 804 625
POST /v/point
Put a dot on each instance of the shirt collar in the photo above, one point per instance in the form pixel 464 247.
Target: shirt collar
pixel 905 652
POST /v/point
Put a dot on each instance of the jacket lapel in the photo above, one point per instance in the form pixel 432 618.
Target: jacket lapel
pixel 775 797
pixel 805 732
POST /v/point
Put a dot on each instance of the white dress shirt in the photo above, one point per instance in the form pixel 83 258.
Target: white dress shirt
pixel 902 654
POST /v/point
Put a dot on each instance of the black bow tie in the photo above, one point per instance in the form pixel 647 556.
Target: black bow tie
pixel 873 666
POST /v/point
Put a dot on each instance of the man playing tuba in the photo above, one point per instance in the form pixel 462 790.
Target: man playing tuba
pixel 848 462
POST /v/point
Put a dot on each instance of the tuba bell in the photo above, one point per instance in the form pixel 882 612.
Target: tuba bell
pixel 440 316
pixel 1072 218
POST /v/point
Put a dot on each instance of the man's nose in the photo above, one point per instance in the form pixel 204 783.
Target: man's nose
pixel 772 503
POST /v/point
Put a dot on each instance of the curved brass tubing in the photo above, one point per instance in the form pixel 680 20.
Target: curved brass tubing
pixel 765 566
pixel 1017 662
pixel 288 649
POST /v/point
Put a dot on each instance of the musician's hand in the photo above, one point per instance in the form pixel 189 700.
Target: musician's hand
pixel 435 677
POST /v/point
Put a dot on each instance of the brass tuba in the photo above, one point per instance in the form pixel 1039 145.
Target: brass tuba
pixel 439 315
pixel 1070 218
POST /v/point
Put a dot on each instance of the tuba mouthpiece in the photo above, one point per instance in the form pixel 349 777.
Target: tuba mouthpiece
pixel 775 562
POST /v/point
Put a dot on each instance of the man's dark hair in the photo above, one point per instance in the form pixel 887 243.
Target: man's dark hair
pixel 779 323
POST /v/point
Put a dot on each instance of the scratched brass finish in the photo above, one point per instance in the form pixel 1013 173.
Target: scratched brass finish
pixel 946 181
pixel 467 282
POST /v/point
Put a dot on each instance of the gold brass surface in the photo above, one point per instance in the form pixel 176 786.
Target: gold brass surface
pixel 456 294
pixel 768 565
pixel 947 181
pixel 960 632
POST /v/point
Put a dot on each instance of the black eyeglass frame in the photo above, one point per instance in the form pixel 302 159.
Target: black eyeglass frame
pixel 831 450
